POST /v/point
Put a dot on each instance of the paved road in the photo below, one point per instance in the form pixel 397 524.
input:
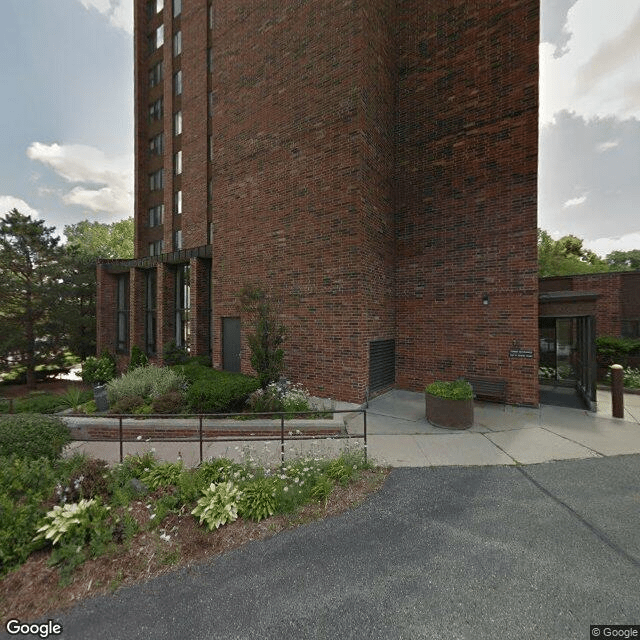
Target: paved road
pixel 541 551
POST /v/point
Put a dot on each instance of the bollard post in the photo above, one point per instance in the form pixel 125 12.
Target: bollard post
pixel 617 395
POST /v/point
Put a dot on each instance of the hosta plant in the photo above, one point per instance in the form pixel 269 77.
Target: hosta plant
pixel 162 475
pixel 62 520
pixel 258 500
pixel 218 505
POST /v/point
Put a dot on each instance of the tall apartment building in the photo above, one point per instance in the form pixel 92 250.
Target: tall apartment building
pixel 371 163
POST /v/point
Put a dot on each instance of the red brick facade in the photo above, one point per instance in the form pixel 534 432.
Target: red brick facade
pixel 371 163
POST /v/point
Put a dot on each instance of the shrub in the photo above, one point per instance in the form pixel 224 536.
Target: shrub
pixel 74 397
pixel 37 402
pixel 172 402
pixel 280 396
pixel 162 475
pixel 99 370
pixel 258 499
pixel 88 480
pixel 146 382
pixel 32 436
pixel 138 358
pixel 172 354
pixel 219 391
pixel 616 350
pixel 127 405
pixel 218 505
pixel 630 378
pixel 457 390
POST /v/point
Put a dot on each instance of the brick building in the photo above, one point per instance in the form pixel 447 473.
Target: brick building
pixel 371 163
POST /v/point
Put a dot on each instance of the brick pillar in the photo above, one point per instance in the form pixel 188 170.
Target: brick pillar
pixel 136 308
pixel 200 306
pixel 165 307
pixel 105 310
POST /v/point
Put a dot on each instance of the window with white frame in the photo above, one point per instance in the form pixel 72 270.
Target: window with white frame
pixel 177 163
pixel 177 240
pixel 177 123
pixel 177 8
pixel 183 306
pixel 159 36
pixel 159 5
pixel 155 110
pixel 177 202
pixel 177 83
pixel 210 15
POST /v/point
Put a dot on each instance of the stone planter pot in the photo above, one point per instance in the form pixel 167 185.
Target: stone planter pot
pixel 449 414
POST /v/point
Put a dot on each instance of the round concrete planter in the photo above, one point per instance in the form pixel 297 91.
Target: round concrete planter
pixel 449 414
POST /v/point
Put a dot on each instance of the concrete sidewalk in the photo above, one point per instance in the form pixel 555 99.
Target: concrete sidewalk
pixel 400 436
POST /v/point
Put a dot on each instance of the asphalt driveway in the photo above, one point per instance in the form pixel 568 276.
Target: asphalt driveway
pixel 541 551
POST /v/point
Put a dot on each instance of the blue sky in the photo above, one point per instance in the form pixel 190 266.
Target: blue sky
pixel 67 115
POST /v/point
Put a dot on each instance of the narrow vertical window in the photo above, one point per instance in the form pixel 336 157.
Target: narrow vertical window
pixel 210 147
pixel 209 59
pixel 159 36
pixel 177 163
pixel 177 43
pixel 210 12
pixel 150 322
pixel 177 202
pixel 159 5
pixel 177 240
pixel 122 313
pixel 177 123
pixel 177 8
pixel 177 83
pixel 182 306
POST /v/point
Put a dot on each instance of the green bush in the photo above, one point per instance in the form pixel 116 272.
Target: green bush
pixel 163 475
pixel 138 358
pixel 173 354
pixel 36 402
pixel 218 505
pixel 32 436
pixel 218 391
pixel 280 396
pixel 99 370
pixel 172 402
pixel 129 404
pixel 258 499
pixel 616 350
pixel 146 382
pixel 456 390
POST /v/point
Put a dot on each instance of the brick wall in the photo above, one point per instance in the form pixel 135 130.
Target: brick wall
pixel 466 191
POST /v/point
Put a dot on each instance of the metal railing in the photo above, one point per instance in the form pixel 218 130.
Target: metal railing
pixel 202 437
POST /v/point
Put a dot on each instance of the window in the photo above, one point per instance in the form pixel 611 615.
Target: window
pixel 630 328
pixel 156 145
pixel 177 123
pixel 210 147
pixel 210 191
pixel 159 5
pixel 177 240
pixel 177 8
pixel 211 103
pixel 156 248
pixel 210 232
pixel 209 60
pixel 177 203
pixel 156 214
pixel 210 12
pixel 122 313
pixel 159 36
pixel 177 163
pixel 177 43
pixel 156 180
pixel 150 318
pixel 155 110
pixel 155 74
pixel 183 294
pixel 177 83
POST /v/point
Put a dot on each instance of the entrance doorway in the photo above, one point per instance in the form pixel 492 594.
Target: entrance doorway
pixel 568 361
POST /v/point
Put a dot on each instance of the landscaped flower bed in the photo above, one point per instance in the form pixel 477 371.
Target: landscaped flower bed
pixel 57 515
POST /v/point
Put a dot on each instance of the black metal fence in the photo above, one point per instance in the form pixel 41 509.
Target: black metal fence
pixel 203 437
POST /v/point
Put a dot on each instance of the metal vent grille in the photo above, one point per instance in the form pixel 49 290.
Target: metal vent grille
pixel 382 364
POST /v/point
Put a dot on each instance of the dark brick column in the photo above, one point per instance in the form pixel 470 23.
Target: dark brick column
pixel 136 308
pixel 200 306
pixel 105 310
pixel 165 306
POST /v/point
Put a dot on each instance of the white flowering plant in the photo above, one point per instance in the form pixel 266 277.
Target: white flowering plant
pixel 280 396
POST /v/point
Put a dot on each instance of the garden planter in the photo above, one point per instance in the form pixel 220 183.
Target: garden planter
pixel 449 412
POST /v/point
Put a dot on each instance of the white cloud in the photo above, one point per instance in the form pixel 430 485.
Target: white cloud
pixel 606 146
pixel 604 246
pixel 7 203
pixel 119 12
pixel 599 73
pixel 90 167
pixel 574 202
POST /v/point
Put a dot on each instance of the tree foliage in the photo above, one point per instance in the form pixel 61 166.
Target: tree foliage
pixel 624 260
pixel 566 256
pixel 31 273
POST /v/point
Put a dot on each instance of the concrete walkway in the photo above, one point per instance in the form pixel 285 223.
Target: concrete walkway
pixel 502 435
pixel 400 436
